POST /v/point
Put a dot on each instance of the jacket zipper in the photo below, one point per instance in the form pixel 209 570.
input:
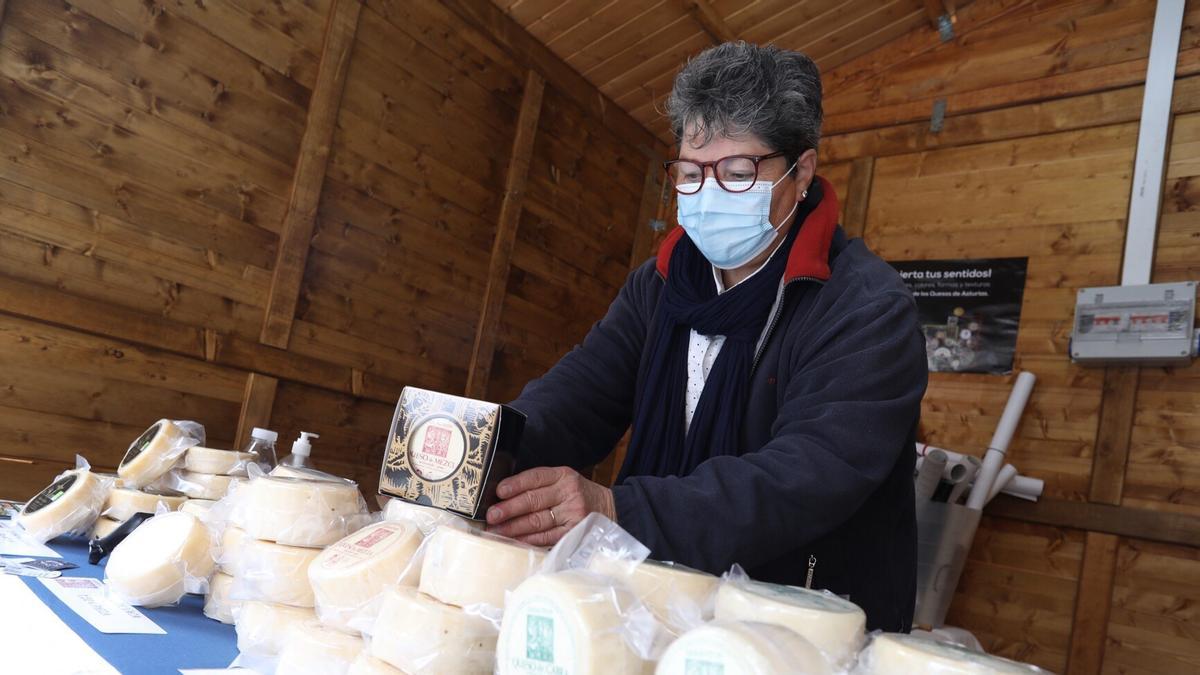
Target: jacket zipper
pixel 775 319
pixel 812 569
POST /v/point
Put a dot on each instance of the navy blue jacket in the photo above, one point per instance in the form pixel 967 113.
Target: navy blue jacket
pixel 829 429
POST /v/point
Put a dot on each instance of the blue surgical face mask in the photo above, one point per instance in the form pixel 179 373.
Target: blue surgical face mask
pixel 730 228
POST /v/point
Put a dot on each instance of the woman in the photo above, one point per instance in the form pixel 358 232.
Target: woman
pixel 771 369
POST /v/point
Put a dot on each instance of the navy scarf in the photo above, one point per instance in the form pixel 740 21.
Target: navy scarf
pixel 659 445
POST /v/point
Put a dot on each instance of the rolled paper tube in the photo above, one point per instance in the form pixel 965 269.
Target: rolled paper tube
pixel 1002 479
pixel 929 475
pixel 1025 487
pixel 961 487
pixel 993 460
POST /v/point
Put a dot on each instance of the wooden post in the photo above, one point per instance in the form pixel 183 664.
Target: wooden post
pixel 257 403
pixel 480 368
pixel 313 158
pixel 1093 601
pixel 858 197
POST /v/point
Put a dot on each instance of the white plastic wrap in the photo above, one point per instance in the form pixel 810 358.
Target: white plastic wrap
pixel 427 518
pixel 158 450
pixel 742 648
pixel 898 654
pixel 71 503
pixel 349 577
pixel 418 634
pixel 122 503
pixel 276 573
pixel 263 627
pixel 217 603
pixel 161 560
pixel 834 625
pixel 313 649
pixel 228 553
pixel 574 621
pixel 194 485
pixel 366 664
pixel 467 569
pixel 678 596
pixel 200 459
pixel 198 508
pixel 299 512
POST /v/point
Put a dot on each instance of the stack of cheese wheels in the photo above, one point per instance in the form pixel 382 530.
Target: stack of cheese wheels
pixel 570 622
pixel 742 648
pixel 214 462
pixel 124 502
pixel 155 564
pixel 418 634
pixel 897 654
pixel 313 648
pixel 366 664
pixel 463 568
pixel 154 453
pixel 263 628
pixel 298 512
pixel 833 625
pixel 217 603
pixel 679 596
pixel 427 518
pixel 274 573
pixel 349 577
pixel 71 503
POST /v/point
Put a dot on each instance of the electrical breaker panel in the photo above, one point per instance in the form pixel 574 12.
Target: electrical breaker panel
pixel 1150 325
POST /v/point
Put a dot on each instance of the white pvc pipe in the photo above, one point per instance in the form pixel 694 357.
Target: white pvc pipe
pixel 993 460
pixel 1006 474
pixel 1025 487
pixel 929 475
pixel 960 488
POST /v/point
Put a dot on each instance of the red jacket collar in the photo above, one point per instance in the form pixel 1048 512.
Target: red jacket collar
pixel 809 256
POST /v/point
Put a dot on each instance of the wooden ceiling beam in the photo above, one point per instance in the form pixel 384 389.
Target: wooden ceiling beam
pixel 935 9
pixel 710 21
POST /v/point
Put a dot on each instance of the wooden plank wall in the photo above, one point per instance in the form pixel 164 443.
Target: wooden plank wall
pixel 1035 160
pixel 175 177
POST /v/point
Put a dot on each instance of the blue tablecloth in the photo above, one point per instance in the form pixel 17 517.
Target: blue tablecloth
pixel 192 640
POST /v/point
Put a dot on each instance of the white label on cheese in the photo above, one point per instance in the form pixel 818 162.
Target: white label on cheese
pixel 87 598
pixel 437 447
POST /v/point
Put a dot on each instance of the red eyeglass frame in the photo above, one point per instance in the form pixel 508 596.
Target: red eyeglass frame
pixel 756 159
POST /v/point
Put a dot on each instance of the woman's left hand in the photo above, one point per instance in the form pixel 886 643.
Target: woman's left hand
pixel 541 505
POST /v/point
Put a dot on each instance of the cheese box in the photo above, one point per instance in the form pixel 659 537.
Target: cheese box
pixel 448 451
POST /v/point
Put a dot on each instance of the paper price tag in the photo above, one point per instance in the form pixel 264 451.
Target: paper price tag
pixel 88 598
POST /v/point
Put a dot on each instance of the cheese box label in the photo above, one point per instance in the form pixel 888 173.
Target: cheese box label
pixel 52 493
pixel 139 446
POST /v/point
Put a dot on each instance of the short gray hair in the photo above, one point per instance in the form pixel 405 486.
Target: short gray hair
pixel 738 89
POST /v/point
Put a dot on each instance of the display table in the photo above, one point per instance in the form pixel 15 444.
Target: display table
pixel 192 640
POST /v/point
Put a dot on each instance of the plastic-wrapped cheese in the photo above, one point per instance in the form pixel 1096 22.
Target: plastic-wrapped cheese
pixel 462 568
pixel 418 634
pixel 212 461
pixel 366 664
pixel 156 451
pixel 426 518
pixel 572 622
pixel 273 572
pixel 103 527
pixel 217 604
pixel 197 507
pixel 301 512
pixel 678 596
pixel 313 649
pixel 896 654
pixel 124 502
pixel 834 625
pixel 201 485
pixel 229 553
pixel 71 503
pixel 348 577
pixel 742 648
pixel 157 561
pixel 262 627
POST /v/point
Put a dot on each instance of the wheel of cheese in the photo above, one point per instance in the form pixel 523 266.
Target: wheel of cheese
pixel 679 596
pixel 304 473
pixel 229 552
pixel 217 603
pixel 275 573
pixel 568 622
pixel 301 512
pixel 153 565
pixel 366 664
pixel 124 502
pixel 418 634
pixel 103 527
pixel 834 625
pixel 197 507
pixel 263 627
pixel 742 648
pixel 212 461
pixel 897 654
pixel 427 518
pixel 463 568
pixel 202 485
pixel 311 648
pixel 348 577
pixel 71 503
pixel 154 453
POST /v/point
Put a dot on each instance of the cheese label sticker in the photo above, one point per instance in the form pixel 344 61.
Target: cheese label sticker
pixel 702 666
pixel 799 596
pixel 543 644
pixel 51 494
pixel 139 446
pixel 437 448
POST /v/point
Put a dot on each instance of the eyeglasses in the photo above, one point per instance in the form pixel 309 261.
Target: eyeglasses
pixel 687 177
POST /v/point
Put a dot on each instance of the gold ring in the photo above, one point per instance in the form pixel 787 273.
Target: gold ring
pixel 553 518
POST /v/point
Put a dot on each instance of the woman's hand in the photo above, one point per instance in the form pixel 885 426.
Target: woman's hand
pixel 540 505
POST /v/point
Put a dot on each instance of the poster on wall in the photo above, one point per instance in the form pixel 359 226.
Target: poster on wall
pixel 969 311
